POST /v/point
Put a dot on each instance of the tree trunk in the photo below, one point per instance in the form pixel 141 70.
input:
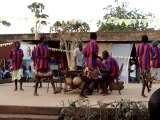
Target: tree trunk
pixel 68 55
pixel 36 32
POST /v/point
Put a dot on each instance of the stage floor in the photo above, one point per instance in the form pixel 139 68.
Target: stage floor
pixel 26 97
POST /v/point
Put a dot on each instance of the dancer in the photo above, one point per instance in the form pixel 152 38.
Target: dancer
pixel 16 55
pixel 144 55
pixel 42 69
pixel 34 63
pixel 155 61
pixel 91 54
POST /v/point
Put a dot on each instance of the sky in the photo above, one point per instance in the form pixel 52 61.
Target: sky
pixel 21 18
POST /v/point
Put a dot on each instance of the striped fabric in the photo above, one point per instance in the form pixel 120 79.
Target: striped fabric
pixel 112 66
pixel 42 51
pixel 34 56
pixel 91 53
pixel 101 65
pixel 17 56
pixel 155 57
pixel 159 55
pixel 144 55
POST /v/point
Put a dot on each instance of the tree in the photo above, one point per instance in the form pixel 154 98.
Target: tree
pixel 40 18
pixel 69 34
pixel 121 18
pixel 5 23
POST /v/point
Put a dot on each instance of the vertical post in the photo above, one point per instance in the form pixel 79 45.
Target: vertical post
pixel 36 31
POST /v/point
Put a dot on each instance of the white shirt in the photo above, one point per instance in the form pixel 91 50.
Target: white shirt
pixel 79 57
pixel 133 67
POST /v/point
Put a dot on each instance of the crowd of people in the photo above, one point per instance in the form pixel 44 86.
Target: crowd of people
pixel 100 71
pixel 106 68
pixel 5 71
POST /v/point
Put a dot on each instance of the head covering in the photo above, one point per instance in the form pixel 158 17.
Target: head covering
pixel 93 36
pixel 43 38
pixel 155 42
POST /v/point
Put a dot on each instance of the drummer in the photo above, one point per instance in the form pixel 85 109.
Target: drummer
pixel 104 81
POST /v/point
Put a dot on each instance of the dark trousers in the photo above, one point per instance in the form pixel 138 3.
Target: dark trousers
pixel 105 81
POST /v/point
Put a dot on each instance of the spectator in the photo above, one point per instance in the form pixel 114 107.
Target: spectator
pixel 7 72
pixel 54 62
pixel 133 72
pixel 30 73
pixel 79 60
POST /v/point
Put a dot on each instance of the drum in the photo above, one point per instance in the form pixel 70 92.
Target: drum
pixel 77 81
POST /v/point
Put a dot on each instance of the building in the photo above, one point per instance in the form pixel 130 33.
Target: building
pixel 121 45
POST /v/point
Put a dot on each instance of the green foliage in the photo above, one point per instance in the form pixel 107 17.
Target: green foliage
pixel 119 110
pixel 37 9
pixel 122 12
pixel 6 23
pixel 70 26
pixel 3 81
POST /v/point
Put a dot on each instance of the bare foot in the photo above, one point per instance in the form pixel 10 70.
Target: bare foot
pixel 144 95
pixel 21 89
pixel 39 86
pixel 36 94
pixel 149 90
pixel 83 96
pixel 55 92
pixel 15 89
pixel 104 94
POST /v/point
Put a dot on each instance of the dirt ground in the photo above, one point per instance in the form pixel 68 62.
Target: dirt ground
pixel 26 97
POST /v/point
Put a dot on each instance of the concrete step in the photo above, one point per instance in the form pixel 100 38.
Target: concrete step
pixel 27 117
pixel 11 109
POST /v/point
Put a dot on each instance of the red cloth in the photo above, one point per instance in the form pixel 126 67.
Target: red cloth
pixel 42 51
pixel 17 56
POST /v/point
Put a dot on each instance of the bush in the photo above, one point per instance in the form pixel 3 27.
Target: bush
pixel 119 110
pixel 2 81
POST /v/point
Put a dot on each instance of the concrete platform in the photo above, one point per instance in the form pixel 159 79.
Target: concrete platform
pixel 26 97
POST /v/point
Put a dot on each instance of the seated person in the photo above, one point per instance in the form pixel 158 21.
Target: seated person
pixel 29 74
pixel 2 72
pixel 112 65
pixel 7 72
pixel 53 62
pixel 104 82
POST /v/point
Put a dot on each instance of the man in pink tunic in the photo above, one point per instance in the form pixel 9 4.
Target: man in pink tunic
pixel 16 55
pixel 42 66
pixel 155 60
pixel 144 56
